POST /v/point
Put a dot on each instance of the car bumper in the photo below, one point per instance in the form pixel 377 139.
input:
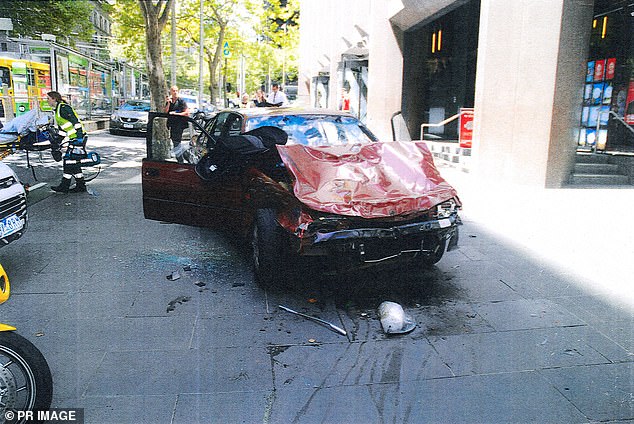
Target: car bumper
pixel 365 246
pixel 14 210
pixel 125 127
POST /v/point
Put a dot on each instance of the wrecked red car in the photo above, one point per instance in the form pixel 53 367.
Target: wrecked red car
pixel 303 186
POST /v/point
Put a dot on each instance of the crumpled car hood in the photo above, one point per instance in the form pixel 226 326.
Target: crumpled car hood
pixel 382 179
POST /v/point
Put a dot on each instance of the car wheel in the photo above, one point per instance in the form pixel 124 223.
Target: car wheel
pixel 113 132
pixel 268 250
pixel 434 249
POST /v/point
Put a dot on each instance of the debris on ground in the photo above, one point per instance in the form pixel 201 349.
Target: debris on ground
pixel 394 320
pixel 174 276
pixel 178 301
pixel 317 320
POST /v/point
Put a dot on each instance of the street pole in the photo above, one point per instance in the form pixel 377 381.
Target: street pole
pixel 173 68
pixel 224 85
pixel 200 60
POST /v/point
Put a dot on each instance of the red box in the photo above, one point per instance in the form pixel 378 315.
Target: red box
pixel 465 137
pixel 599 68
pixel 610 68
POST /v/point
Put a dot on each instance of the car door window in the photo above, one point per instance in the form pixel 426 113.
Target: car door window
pixel 234 124
pixel 219 124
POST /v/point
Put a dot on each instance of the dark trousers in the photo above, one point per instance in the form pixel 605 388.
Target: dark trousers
pixel 72 170
pixel 176 135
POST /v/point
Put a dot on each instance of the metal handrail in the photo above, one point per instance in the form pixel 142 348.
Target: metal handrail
pixel 621 120
pixel 617 117
pixel 440 124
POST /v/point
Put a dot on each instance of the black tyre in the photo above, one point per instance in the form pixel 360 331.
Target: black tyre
pixel 434 250
pixel 25 378
pixel 269 250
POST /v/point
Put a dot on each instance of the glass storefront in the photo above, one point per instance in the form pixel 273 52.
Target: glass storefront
pixel 439 73
pixel 606 124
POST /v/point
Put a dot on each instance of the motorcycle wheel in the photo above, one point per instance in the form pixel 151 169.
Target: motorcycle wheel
pixel 26 383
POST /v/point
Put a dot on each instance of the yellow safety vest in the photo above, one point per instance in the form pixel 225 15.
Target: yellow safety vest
pixel 65 125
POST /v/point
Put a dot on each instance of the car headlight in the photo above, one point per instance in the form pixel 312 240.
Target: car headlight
pixel 113 117
pixel 143 119
pixel 446 209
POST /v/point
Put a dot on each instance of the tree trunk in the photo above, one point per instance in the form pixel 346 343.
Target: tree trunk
pixel 213 61
pixel 155 19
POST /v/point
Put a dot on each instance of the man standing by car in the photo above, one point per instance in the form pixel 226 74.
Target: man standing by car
pixel 71 128
pixel 176 106
pixel 277 97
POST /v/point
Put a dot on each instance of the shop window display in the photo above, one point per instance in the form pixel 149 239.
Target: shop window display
pixel 596 103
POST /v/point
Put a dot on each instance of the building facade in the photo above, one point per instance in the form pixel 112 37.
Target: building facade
pixel 522 66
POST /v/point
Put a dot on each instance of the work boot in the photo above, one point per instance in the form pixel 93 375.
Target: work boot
pixel 80 186
pixel 63 187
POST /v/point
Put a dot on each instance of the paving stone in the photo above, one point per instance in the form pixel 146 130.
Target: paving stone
pixel 224 408
pixel 513 351
pixel 357 363
pixel 182 371
pixel 602 392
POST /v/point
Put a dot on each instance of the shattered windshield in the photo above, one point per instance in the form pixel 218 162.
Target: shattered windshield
pixel 316 130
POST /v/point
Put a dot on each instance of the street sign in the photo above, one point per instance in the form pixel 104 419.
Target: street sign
pixel 225 49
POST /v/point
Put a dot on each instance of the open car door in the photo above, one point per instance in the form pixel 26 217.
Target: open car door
pixel 172 191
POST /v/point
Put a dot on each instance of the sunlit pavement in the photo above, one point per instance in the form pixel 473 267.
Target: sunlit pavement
pixel 586 232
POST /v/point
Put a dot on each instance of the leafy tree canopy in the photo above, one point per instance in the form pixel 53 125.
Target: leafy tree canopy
pixel 128 32
pixel 263 36
pixel 62 18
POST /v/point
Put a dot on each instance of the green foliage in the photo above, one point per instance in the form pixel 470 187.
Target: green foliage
pixel 280 33
pixel 254 30
pixel 62 18
pixel 128 32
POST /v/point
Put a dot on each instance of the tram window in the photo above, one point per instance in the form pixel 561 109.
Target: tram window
pixel 31 77
pixel 5 76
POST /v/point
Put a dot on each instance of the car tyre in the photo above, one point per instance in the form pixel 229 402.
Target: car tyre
pixel 113 132
pixel 269 250
pixel 435 252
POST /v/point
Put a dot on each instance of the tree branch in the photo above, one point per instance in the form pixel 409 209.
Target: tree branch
pixel 165 13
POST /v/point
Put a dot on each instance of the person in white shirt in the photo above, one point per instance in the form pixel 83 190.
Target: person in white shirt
pixel 277 97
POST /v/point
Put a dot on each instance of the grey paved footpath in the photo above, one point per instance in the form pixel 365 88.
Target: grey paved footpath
pixel 503 335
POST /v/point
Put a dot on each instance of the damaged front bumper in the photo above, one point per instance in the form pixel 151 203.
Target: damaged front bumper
pixel 370 245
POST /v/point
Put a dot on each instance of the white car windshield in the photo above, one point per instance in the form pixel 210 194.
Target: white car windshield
pixel 316 130
pixel 138 106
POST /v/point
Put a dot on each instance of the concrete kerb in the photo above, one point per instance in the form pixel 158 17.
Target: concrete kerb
pixel 96 124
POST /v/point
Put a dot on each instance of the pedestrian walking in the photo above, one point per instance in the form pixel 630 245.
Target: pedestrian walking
pixel 176 106
pixel 344 103
pixel 70 127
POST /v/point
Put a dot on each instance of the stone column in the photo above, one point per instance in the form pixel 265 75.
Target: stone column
pixel 530 70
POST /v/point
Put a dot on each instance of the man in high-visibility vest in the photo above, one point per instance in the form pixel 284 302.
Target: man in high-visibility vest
pixel 71 128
